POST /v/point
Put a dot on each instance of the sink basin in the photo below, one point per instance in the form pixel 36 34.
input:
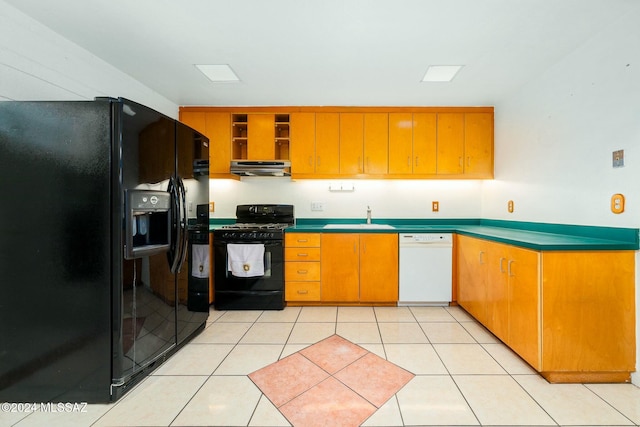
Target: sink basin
pixel 359 226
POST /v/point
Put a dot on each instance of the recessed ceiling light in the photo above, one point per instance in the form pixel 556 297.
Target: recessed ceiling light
pixel 218 72
pixel 441 73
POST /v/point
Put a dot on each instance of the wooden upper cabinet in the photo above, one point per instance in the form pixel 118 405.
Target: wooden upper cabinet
pixel 261 137
pixel 351 143
pixel 356 142
pixel 450 143
pixel 303 143
pixel 195 119
pixel 425 143
pixel 376 143
pixel 400 143
pixel 478 144
pixel 216 127
pixel 218 130
pixel 327 160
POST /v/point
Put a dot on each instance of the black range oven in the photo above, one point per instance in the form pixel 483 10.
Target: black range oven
pixel 249 258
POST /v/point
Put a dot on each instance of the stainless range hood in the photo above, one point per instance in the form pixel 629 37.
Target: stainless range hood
pixel 261 167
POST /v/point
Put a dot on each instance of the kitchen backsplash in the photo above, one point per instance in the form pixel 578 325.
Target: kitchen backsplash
pixel 387 198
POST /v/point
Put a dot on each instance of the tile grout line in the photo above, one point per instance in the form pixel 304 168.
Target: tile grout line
pixel 608 403
pixel 510 376
pixel 218 366
pixel 454 381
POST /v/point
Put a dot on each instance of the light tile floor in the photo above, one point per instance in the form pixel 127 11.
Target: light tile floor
pixel 463 375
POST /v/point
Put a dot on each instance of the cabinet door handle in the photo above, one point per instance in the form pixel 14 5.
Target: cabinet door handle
pixel 509 271
pixel 310 160
pixel 468 160
pixel 408 161
pixel 460 162
pixel 417 160
pixel 501 261
pixel 303 292
pixel 481 260
pixel 318 160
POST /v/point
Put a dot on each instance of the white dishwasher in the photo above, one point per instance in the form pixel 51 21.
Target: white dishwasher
pixel 425 268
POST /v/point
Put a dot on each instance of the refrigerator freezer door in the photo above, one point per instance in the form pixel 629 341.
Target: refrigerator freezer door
pixel 55 265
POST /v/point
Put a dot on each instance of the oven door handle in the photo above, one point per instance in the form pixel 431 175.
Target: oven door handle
pixel 246 242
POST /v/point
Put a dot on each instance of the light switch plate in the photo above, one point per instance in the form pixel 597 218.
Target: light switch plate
pixel 618 159
pixel 317 206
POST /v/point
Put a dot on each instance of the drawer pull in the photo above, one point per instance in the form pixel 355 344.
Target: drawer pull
pixel 303 254
pixel 302 240
pixel 303 271
pixel 303 292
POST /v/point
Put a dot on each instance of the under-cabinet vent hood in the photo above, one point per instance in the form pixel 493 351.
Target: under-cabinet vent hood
pixel 261 167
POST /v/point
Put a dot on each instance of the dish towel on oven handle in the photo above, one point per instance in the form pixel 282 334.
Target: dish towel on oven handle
pixel 245 260
pixel 200 261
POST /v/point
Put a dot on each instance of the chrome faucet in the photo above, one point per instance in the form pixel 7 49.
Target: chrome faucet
pixel 368 215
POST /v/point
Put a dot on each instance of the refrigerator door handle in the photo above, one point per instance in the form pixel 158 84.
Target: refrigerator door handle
pixel 173 255
pixel 182 224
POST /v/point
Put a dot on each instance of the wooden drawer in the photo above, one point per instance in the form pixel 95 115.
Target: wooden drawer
pixel 302 254
pixel 302 240
pixel 302 271
pixel 302 291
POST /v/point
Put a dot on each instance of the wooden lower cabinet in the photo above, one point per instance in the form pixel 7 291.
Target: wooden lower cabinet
pixel 379 267
pixel 472 277
pixel 588 315
pixel 302 267
pixel 570 315
pixel 359 268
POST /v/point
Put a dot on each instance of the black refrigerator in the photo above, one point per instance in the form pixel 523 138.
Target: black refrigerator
pixel 97 201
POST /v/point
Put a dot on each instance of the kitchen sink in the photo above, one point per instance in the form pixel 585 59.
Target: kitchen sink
pixel 359 226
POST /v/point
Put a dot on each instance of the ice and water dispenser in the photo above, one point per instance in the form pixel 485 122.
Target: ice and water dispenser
pixel 147 223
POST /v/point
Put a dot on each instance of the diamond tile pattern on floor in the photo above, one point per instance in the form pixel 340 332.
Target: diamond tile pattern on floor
pixel 333 382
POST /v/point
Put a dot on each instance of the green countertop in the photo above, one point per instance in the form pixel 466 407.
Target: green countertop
pixel 536 236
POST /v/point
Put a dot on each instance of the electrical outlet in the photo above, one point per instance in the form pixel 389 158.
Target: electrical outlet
pixel 317 206
pixel 510 206
pixel 617 203
pixel 435 206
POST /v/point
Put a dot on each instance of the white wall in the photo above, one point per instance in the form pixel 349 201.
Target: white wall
pixel 38 64
pixel 554 139
pixel 388 199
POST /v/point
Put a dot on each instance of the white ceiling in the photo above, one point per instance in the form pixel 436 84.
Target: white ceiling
pixel 330 52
